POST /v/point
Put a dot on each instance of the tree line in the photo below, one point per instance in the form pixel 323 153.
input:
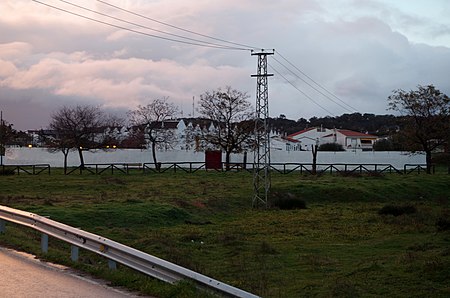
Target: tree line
pixel 379 125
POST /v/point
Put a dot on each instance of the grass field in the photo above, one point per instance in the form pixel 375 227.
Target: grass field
pixel 339 246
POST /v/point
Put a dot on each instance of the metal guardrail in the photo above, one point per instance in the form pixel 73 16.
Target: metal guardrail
pixel 138 260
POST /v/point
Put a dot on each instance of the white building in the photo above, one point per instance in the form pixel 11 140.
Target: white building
pixel 350 140
pixel 184 135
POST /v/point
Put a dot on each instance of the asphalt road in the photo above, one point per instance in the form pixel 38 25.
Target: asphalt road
pixel 21 275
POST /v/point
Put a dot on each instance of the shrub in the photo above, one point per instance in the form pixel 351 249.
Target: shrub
pixel 6 172
pixel 442 158
pixel 397 210
pixel 287 201
pixel 383 145
pixel 266 248
pixel 331 147
pixel 443 224
pixel 357 174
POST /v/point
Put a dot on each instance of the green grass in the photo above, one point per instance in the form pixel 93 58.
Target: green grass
pixel 338 247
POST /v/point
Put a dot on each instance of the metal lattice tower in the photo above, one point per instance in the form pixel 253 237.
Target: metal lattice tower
pixel 261 157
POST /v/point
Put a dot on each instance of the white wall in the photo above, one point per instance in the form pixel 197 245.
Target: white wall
pixel 16 156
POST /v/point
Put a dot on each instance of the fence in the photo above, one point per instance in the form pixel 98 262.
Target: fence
pixel 114 252
pixel 282 168
pixel 106 167
pixel 192 167
pixel 308 168
pixel 35 169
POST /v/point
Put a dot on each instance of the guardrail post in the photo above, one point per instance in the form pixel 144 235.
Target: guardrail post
pixel 44 243
pixel 112 264
pixel 2 226
pixel 125 255
pixel 74 253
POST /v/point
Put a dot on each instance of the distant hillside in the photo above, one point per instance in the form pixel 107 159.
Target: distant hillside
pixel 379 125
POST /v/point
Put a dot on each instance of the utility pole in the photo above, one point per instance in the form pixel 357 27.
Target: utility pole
pixel 261 157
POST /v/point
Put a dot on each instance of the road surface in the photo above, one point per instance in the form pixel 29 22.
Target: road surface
pixel 21 275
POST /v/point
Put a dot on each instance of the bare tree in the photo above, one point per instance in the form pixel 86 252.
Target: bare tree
pixel 427 118
pixel 79 128
pixel 150 119
pixel 135 139
pixel 231 113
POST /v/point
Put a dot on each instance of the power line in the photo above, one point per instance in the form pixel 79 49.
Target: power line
pixel 299 90
pixel 313 87
pixel 202 43
pixel 138 32
pixel 337 100
pixel 176 27
pixel 145 27
pixel 317 84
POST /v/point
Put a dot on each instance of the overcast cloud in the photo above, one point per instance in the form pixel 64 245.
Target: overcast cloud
pixel 359 50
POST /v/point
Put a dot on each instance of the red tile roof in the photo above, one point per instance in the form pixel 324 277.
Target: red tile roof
pixel 345 132
pixel 300 132
pixel 327 136
pixel 351 133
pixel 291 140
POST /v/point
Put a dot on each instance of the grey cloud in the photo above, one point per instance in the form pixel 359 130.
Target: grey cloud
pixel 54 62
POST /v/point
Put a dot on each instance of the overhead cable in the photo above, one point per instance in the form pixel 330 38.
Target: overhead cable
pixel 317 84
pixel 139 32
pixel 198 42
pixel 313 87
pixel 149 28
pixel 299 90
pixel 176 27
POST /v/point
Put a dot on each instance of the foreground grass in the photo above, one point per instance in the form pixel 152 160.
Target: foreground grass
pixel 338 247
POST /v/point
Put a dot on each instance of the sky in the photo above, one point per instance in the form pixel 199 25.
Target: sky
pixel 331 56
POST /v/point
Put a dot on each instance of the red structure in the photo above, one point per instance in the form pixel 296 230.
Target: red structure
pixel 213 160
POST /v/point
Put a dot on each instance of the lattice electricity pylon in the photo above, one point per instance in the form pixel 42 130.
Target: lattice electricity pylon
pixel 261 156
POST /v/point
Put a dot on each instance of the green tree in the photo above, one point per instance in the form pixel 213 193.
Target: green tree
pixel 427 118
pixel 8 136
pixel 383 145
pixel 331 147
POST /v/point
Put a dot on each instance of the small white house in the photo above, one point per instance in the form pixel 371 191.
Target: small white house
pixel 350 140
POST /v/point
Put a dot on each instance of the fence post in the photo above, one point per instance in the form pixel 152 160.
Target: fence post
pixel 74 250
pixel 112 264
pixel 44 243
pixel 2 226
